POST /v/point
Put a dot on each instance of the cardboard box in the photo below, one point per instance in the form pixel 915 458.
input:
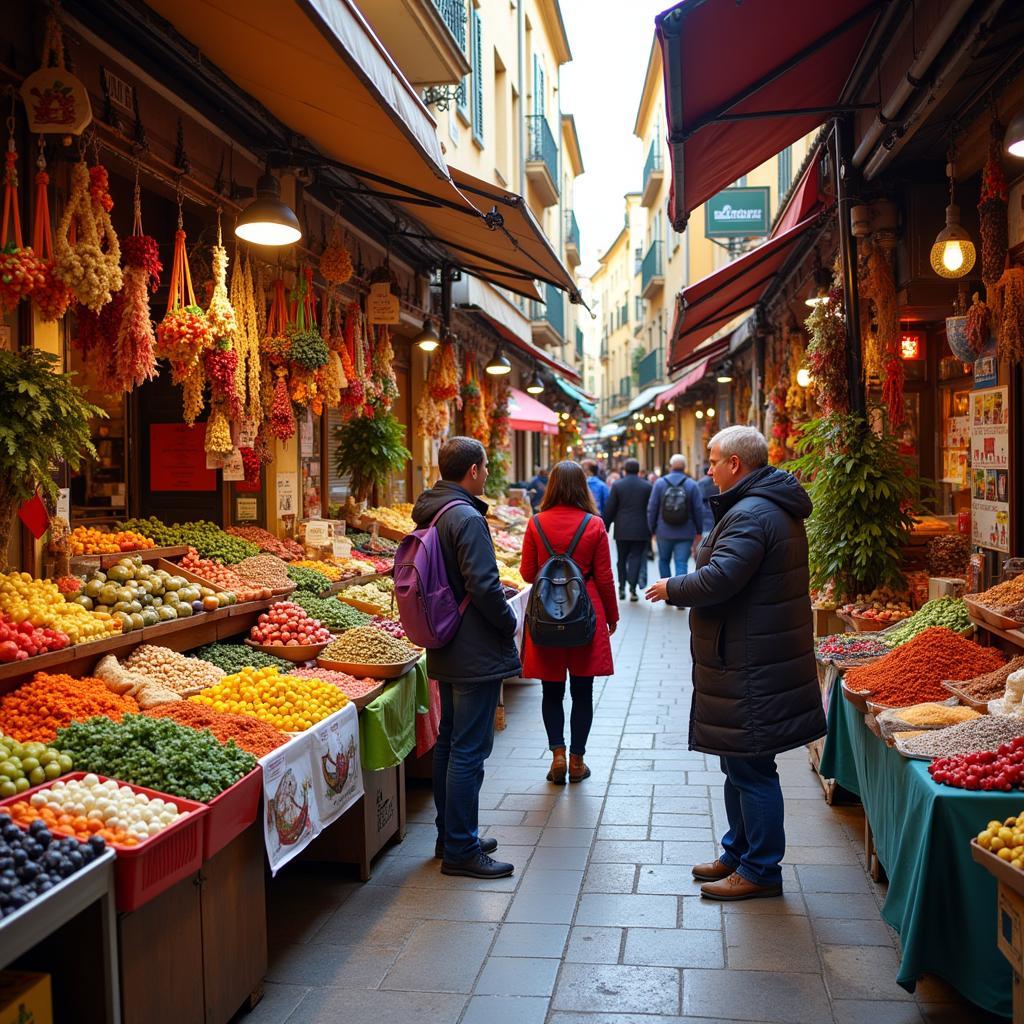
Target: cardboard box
pixel 25 998
pixel 945 586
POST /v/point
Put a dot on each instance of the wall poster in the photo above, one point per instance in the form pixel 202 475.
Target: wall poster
pixel 990 468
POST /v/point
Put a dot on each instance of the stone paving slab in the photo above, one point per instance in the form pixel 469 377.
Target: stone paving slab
pixel 602 922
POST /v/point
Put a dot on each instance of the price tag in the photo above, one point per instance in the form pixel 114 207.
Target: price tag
pixel 342 547
pixel 213 461
pixel 318 533
pixel 306 436
pixel 234 467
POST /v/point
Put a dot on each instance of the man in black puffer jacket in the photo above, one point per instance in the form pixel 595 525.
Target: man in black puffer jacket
pixel 469 669
pixel 755 689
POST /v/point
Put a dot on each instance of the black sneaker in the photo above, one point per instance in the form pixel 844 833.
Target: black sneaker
pixel 622 593
pixel 486 846
pixel 633 596
pixel 480 866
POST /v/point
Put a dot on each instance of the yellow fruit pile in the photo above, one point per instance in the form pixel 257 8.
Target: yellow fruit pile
pixel 397 518
pixel 24 599
pixel 288 703
pixel 332 572
pixel 1005 840
pixel 511 577
pixel 87 540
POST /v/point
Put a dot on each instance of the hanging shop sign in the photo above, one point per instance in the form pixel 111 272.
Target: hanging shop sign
pixel 737 213
pixel 309 783
pixel 990 468
pixel 177 458
pixel 56 101
pixel 382 307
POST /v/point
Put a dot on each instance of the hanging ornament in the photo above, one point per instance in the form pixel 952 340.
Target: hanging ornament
pixel 57 102
pixel 220 359
pixel 52 296
pixel 335 260
pixel 21 271
pixel 282 416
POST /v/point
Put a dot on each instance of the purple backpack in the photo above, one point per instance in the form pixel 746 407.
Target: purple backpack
pixel 426 605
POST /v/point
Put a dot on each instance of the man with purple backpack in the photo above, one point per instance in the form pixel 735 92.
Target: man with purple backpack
pixel 471 665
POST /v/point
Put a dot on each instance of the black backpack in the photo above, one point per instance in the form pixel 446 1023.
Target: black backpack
pixel 675 504
pixel 559 612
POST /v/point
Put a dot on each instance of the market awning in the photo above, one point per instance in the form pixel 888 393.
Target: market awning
pixel 681 386
pixel 745 80
pixel 646 397
pixel 610 430
pixel 526 413
pixel 586 405
pixel 317 66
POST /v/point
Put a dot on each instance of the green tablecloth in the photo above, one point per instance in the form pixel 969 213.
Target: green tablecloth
pixel 940 901
pixel 387 725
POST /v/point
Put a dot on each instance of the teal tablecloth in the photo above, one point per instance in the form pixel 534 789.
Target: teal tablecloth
pixel 387 725
pixel 940 901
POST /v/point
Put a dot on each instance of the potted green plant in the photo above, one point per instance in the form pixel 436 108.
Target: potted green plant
pixel 865 494
pixel 369 449
pixel 44 421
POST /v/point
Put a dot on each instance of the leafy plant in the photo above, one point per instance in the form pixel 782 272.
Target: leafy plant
pixel 497 473
pixel 864 493
pixel 44 421
pixel 369 449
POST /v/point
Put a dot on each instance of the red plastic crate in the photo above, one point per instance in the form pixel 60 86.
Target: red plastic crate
pixel 231 813
pixel 155 864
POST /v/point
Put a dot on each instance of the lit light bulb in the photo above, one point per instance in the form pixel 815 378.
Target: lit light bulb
pixel 803 377
pixel 711 413
pixel 699 413
pixel 952 256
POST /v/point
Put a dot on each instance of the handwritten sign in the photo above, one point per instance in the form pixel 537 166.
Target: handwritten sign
pixel 234 467
pixel 286 498
pixel 381 306
pixel 246 510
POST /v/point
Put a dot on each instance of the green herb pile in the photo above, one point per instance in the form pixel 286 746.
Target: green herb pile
pixel 156 753
pixel 308 349
pixel 334 614
pixel 233 658
pixel 950 612
pixel 206 537
pixel 308 579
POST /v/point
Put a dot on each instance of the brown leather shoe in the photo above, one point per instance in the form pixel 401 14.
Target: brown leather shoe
pixel 578 771
pixel 736 887
pixel 558 766
pixel 713 872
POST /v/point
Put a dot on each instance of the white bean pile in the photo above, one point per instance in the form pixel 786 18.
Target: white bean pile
pixel 984 733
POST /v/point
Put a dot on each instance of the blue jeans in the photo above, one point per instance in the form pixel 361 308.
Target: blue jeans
pixel 756 840
pixel 464 740
pixel 679 550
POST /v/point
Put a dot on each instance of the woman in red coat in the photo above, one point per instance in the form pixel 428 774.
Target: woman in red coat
pixel 567 499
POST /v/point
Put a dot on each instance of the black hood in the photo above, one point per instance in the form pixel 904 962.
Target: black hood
pixel 778 486
pixel 431 502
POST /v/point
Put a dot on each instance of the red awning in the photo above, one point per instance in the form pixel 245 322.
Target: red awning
pixel 745 80
pixel 526 413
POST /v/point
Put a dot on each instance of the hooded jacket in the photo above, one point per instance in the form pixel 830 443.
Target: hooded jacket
pixel 483 649
pixel 754 678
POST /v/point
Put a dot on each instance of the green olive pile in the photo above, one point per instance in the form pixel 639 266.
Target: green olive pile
pixel 140 595
pixel 206 537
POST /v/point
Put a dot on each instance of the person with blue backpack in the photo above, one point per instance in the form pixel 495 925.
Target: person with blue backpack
pixel 677 516
pixel 571 613
pixel 452 602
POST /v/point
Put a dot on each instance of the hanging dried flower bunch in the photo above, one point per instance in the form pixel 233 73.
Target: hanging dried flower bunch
pixel 91 267
pixel 1007 301
pixel 826 353
pixel 473 405
pixel 136 342
pixel 335 260
pixel 282 416
pixel 51 295
pixel 433 417
pixel 385 383
pixel 247 339
pixel 193 386
pixel 221 359
pixel 218 435
pixel 21 270
pixel 992 209
pixel 979 323
pixel 183 333
pixel 443 379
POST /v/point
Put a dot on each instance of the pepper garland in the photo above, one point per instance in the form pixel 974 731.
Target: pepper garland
pixel 21 270
pixel 992 209
pixel 443 380
pixel 276 343
pixel 879 287
pixel 979 323
pixel 385 383
pixel 826 353
pixel 473 405
pixel 91 265
pixel 51 295
pixel 1007 301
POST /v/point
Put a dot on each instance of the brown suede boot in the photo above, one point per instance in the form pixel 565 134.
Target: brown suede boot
pixel 557 773
pixel 578 771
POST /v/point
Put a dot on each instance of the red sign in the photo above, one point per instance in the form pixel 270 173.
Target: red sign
pixel 911 344
pixel 177 458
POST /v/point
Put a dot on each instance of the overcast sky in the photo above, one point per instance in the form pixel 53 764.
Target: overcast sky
pixel 610 41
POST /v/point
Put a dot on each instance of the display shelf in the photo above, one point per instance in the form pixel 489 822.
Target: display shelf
pixel 1013 636
pixel 86 563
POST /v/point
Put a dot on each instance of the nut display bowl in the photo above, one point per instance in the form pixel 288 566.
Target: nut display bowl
pixel 303 652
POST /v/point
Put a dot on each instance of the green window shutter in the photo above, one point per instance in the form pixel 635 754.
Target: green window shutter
pixel 462 98
pixel 478 78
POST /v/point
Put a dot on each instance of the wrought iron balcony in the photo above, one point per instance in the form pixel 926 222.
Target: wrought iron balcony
pixel 653 173
pixel 649 369
pixel 652 273
pixel 548 318
pixel 579 343
pixel 542 159
pixel 572 238
pixel 454 14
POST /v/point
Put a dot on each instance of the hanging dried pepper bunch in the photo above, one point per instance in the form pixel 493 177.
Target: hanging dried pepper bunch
pixel 879 287
pixel 282 416
pixel 335 260
pixel 385 383
pixel 443 379
pixel 795 397
pixel 51 295
pixel 21 270
pixel 353 398
pixel 251 463
pixel 474 411
pixel 979 323
pixel 499 415
pixel 276 343
pixel 135 346
pixel 992 209
pixel 91 266
pixel 220 359
pixel 184 332
pixel 1007 301
pixel 826 353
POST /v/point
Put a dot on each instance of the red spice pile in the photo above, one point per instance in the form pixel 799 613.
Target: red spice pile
pixel 913 673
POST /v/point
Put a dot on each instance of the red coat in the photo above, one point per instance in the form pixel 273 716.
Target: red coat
pixel 592 556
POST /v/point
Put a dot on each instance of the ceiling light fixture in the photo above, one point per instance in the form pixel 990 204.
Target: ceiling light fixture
pixel 699 413
pixel 499 364
pixel 953 253
pixel 536 385
pixel 1013 140
pixel 819 287
pixel 711 412
pixel 724 375
pixel 267 220
pixel 428 340
pixel 803 377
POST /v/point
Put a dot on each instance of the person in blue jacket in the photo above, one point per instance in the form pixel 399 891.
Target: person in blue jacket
pixel 598 488
pixel 677 516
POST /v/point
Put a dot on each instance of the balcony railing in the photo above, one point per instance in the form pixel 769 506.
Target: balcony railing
pixel 652 269
pixel 652 164
pixel 454 14
pixel 579 343
pixel 625 387
pixel 649 369
pixel 552 310
pixel 572 229
pixel 543 147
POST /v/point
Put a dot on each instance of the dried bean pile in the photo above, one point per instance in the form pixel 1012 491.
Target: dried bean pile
pixel 234 657
pixel 984 733
pixel 1003 595
pixel 176 671
pixel 329 611
pixel 992 684
pixel 267 570
pixel 913 673
pixel 266 541
pixel 947 556
pixel 949 612
pixel 366 645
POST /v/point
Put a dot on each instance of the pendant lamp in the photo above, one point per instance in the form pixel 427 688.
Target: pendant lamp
pixel 536 385
pixel 267 220
pixel 428 340
pixel 499 364
pixel 1013 141
pixel 953 253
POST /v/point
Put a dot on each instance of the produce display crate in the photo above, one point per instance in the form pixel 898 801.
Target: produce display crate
pixel 988 616
pixel 157 863
pixel 363 606
pixel 86 563
pixel 231 813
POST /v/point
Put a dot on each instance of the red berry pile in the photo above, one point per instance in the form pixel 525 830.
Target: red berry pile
pixel 288 625
pixel 18 642
pixel 389 626
pixel 1001 769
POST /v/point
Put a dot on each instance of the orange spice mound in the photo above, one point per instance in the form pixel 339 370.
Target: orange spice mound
pixel 36 710
pixel 249 733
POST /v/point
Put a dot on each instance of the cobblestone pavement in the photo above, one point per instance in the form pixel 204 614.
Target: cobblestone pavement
pixel 601 923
